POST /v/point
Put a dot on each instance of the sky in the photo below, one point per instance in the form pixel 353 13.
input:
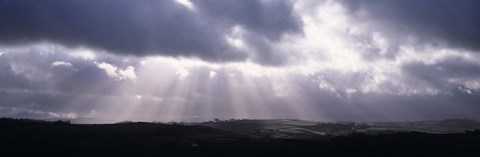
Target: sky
pixel 196 60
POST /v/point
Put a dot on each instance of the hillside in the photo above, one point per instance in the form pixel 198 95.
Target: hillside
pixel 239 138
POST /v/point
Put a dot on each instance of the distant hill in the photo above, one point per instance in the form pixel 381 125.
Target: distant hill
pixel 281 137
pixel 289 128
pixel 83 120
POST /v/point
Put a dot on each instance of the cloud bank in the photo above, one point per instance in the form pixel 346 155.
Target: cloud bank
pixel 198 60
pixel 453 23
pixel 145 28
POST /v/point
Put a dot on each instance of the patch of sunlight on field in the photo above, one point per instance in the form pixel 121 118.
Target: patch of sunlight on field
pixel 300 131
pixel 299 123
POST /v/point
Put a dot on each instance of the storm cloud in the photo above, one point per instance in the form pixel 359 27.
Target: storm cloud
pixel 347 60
pixel 143 28
pixel 436 22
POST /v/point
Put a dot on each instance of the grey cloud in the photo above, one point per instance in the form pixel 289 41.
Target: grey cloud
pixel 272 19
pixel 83 88
pixel 33 71
pixel 266 53
pixel 77 89
pixel 145 27
pixel 9 79
pixel 439 75
pixel 453 23
pixel 381 106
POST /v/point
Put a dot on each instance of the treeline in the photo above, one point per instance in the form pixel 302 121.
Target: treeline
pixel 32 121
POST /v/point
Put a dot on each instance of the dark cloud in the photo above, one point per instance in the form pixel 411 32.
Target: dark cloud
pixel 454 23
pixel 9 79
pixel 145 27
pixel 447 75
pixel 269 18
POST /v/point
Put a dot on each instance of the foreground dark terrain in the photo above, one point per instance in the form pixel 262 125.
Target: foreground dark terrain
pixel 19 137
